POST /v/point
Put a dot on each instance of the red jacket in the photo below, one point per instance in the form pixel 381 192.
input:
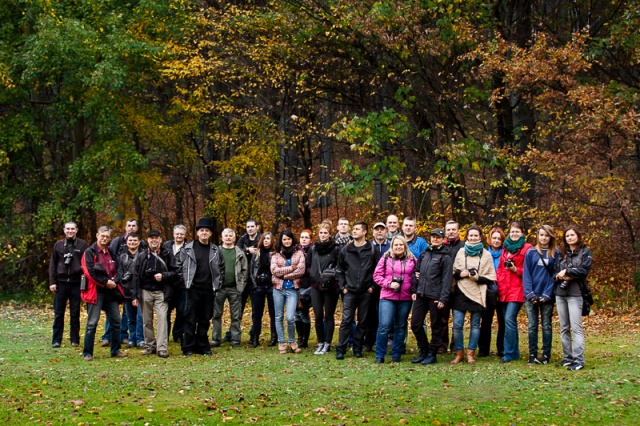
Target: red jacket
pixel 510 288
pixel 95 276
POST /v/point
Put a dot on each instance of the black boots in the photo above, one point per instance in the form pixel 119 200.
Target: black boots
pixel 303 329
pixel 255 340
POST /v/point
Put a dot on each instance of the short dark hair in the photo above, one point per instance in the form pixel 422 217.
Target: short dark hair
pixel 255 222
pixel 133 220
pixel 363 224
pixel 134 235
pixel 410 219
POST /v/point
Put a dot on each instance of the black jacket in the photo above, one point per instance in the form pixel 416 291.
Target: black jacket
pixel 578 265
pixel 168 270
pixel 168 246
pixel 319 258
pixel 58 271
pixel 355 267
pixel 245 242
pixel 126 271
pixel 436 273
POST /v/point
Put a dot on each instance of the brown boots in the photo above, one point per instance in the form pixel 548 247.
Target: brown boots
pixel 293 347
pixel 471 356
pixel 459 357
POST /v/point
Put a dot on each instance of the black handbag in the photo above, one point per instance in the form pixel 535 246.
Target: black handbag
pixel 587 299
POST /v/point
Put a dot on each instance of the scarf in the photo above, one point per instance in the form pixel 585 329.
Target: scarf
pixel 473 249
pixel 513 246
pixel 324 248
pixel 287 252
pixel 495 255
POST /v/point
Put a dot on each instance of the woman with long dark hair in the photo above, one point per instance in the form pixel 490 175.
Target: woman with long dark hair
pixel 287 268
pixel 570 279
pixel 494 247
pixel 303 320
pixel 260 274
pixel 324 287
pixel 472 272
pixel 537 280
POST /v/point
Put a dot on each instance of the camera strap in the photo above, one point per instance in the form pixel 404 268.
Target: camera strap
pixel 479 261
pixel 546 265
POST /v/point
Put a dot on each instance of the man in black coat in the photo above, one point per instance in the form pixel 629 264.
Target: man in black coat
pixel 65 271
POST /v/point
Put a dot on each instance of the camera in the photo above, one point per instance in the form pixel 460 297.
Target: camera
pixel 472 272
pixel 68 258
pixel 126 276
pixel 398 280
pixel 564 285
pixel 262 279
pixel 508 263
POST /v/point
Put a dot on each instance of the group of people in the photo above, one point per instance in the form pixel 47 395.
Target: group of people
pixel 379 281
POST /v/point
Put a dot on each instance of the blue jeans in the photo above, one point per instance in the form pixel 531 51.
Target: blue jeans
pixel 392 316
pixel 135 327
pixel 511 341
pixel 111 309
pixel 543 312
pixel 458 334
pixel 286 297
pixel 124 327
pixel 570 315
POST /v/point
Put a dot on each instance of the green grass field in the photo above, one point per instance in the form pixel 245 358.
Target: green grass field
pixel 246 385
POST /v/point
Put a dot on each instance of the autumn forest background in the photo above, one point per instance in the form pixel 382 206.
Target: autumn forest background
pixel 294 111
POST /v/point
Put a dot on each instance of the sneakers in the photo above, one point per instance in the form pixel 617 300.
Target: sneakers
pixel 564 363
pixel 542 360
pixel 88 357
pixel 163 354
pixel 323 348
pixel 575 367
pixel 55 345
pixel 532 359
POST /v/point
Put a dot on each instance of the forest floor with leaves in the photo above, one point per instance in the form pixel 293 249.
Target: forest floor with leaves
pixel 245 385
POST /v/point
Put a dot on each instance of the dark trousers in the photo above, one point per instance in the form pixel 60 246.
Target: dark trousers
pixel 324 309
pixel 177 303
pixel 66 292
pixel 444 318
pixel 372 321
pixel 198 311
pixel 421 306
pixel 111 307
pixel 484 344
pixel 353 302
pixel 259 296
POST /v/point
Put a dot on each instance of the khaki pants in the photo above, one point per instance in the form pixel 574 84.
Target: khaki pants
pixel 154 301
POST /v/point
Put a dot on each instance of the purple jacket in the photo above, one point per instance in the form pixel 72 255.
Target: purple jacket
pixel 388 268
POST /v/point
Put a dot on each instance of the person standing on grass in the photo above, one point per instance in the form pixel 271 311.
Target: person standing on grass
pixel 393 274
pixel 324 288
pixel 176 303
pixel 510 289
pixel 201 267
pixel 472 272
pixel 452 231
pixel 65 270
pixel 287 268
pixel 570 279
pixel 154 289
pixel 381 246
pixel 233 283
pixel 537 280
pixel 494 247
pixel 260 276
pixel 118 246
pixel 356 264
pixel 127 270
pixel 100 266
pixel 303 320
pixel 430 292
pixel 248 243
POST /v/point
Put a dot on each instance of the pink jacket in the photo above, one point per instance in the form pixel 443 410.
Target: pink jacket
pixel 280 272
pixel 510 287
pixel 386 269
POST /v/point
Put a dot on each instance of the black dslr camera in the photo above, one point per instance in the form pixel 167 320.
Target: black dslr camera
pixel 564 285
pixel 398 280
pixel 508 263
pixel 473 272
pixel 68 257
